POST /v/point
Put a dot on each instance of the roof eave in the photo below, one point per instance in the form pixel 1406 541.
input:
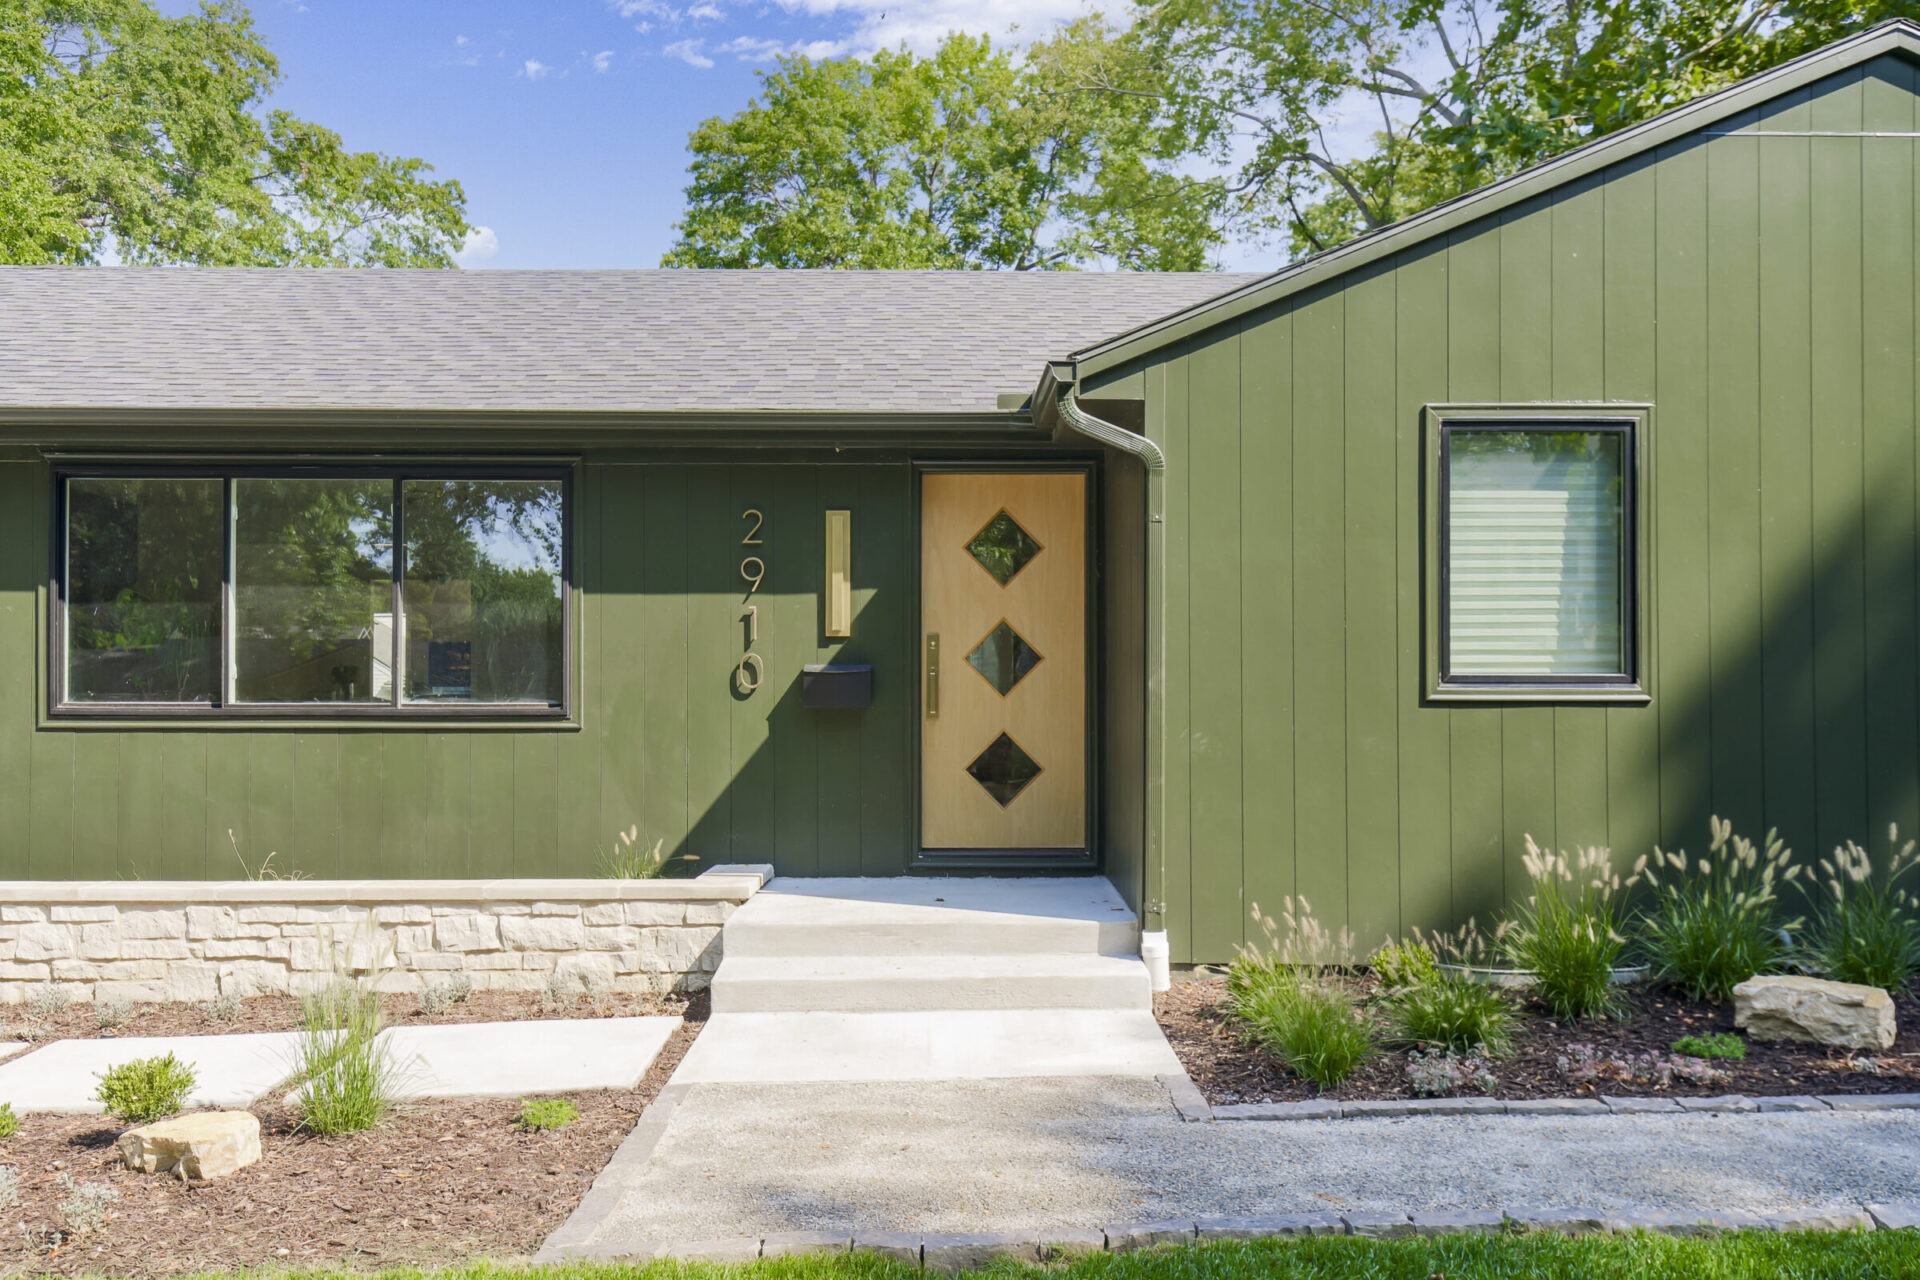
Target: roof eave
pixel 85 426
pixel 1897 36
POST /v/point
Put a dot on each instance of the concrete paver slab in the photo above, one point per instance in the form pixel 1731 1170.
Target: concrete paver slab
pixel 8 1048
pixel 1039 1155
pixel 742 1048
pixel 230 1071
pixel 512 1059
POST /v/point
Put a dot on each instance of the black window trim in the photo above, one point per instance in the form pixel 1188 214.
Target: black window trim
pixel 1633 422
pixel 398 710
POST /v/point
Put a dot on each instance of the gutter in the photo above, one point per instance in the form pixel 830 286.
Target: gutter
pixel 1154 948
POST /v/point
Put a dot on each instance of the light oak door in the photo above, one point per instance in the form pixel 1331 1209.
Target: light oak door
pixel 1003 582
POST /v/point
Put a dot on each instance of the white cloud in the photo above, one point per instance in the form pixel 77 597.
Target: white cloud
pixel 602 60
pixel 689 52
pixel 646 12
pixel 705 11
pixel 535 70
pixel 920 24
pixel 460 40
pixel 752 48
pixel 481 244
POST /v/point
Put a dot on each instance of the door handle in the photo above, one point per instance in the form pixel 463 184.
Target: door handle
pixel 933 675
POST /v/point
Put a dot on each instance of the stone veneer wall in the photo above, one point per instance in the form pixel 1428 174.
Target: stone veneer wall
pixel 183 940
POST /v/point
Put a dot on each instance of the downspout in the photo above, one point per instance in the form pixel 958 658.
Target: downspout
pixel 1153 906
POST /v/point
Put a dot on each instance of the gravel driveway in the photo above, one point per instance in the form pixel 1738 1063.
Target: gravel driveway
pixel 1016 1155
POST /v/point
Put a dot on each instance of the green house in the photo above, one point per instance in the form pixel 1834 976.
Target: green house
pixel 1582 507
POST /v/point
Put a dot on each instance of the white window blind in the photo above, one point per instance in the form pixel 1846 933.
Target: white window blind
pixel 1535 553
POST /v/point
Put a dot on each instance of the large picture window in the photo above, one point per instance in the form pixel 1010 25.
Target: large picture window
pixel 303 593
pixel 1538 579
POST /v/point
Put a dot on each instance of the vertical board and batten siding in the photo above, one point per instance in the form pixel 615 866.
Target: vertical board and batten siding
pixel 664 744
pixel 1758 290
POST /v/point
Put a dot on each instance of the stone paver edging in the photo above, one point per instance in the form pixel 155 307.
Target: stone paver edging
pixel 947 1252
pixel 1193 1106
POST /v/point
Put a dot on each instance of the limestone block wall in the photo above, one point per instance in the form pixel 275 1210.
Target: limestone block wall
pixel 189 940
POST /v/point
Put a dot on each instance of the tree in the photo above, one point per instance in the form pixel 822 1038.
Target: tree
pixel 964 158
pixel 1465 91
pixel 129 133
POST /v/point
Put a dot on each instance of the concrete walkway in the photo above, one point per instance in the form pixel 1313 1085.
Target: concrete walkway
pixel 735 1162
pixel 476 1059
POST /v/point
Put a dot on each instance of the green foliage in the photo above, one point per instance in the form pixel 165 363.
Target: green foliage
pixel 123 128
pixel 627 860
pixel 1460 92
pixel 966 157
pixel 1568 931
pixel 1310 1023
pixel 1867 928
pixel 1720 1044
pixel 1404 964
pixel 347 1077
pixel 145 1089
pixel 1712 924
pixel 1452 1011
pixel 538 1115
pixel 9 1122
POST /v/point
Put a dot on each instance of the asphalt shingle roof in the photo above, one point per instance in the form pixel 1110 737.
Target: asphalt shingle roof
pixel 639 341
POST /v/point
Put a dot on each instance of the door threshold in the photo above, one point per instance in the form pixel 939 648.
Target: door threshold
pixel 1005 860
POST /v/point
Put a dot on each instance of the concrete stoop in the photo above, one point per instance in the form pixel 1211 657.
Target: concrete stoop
pixel 930 944
pixel 938 978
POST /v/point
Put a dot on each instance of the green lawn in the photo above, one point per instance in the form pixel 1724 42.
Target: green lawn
pixel 1761 1255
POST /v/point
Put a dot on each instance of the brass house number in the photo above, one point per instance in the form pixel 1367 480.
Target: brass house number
pixel 751 669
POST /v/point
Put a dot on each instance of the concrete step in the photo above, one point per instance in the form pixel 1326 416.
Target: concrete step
pixel 930 916
pixel 783 1048
pixel 903 984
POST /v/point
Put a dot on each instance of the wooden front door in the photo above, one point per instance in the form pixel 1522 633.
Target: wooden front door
pixel 1003 582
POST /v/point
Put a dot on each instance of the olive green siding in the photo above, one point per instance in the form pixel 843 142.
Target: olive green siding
pixel 1758 291
pixel 663 742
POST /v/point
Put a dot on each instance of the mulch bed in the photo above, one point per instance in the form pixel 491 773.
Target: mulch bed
pixel 440 1183
pixel 282 1013
pixel 1228 1069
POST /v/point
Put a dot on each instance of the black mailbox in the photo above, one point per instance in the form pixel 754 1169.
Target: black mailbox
pixel 841 685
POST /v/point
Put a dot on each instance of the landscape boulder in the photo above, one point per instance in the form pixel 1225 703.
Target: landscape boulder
pixel 207 1144
pixel 1836 1013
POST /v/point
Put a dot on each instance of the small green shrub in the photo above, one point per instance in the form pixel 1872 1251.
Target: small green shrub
pixel 347 1075
pixel 223 1008
pixel 145 1089
pixel 628 860
pixel 48 1001
pixel 540 1114
pixel 86 1206
pixel 1721 1044
pixel 437 997
pixel 1311 1024
pixel 1712 924
pixel 1567 932
pixel 1453 1012
pixel 9 1122
pixel 1294 997
pixel 1404 964
pixel 1868 929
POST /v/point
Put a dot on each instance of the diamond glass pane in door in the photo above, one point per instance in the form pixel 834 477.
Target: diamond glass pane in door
pixel 1003 548
pixel 1004 770
pixel 1004 658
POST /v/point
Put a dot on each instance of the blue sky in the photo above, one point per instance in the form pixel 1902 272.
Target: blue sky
pixel 566 120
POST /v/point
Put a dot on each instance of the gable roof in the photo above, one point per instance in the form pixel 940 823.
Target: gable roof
pixel 1899 36
pixel 550 341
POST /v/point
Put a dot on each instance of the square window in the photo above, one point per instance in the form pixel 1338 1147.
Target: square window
pixel 1538 584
